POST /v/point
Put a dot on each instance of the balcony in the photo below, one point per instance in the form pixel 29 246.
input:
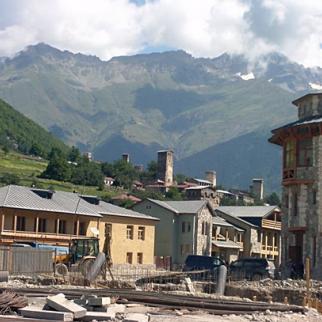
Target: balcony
pixel 32 235
pixel 271 224
pixel 269 250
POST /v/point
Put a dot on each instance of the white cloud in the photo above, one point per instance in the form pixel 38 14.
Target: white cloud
pixel 206 28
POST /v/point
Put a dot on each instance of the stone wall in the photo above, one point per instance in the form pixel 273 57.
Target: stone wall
pixel 203 241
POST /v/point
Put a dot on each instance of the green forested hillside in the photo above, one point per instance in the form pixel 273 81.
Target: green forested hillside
pixel 22 134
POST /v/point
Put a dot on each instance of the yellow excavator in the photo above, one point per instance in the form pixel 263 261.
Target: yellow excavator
pixel 82 255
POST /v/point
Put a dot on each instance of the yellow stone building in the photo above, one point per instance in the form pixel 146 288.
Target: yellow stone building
pixel 29 215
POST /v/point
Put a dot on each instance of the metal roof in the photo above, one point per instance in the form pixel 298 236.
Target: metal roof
pixel 248 211
pixel 308 120
pixel 181 207
pixel 20 197
pixel 225 244
pixel 219 221
pixel 198 188
pixel 202 181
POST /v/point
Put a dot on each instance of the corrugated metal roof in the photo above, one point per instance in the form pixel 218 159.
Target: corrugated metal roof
pixel 248 211
pixel 63 202
pixel 181 207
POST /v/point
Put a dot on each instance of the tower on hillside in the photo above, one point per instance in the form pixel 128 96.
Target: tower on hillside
pixel 165 167
pixel 302 190
pixel 212 178
pixel 258 188
pixel 126 157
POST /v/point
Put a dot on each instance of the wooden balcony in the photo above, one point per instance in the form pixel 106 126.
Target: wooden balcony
pixel 271 224
pixel 269 250
pixel 35 236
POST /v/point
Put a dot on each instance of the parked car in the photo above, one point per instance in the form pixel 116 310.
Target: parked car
pixel 252 269
pixel 200 263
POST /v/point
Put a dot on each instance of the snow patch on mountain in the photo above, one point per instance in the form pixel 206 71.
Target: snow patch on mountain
pixel 246 77
pixel 315 86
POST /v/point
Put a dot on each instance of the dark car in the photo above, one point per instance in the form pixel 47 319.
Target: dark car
pixel 208 264
pixel 252 269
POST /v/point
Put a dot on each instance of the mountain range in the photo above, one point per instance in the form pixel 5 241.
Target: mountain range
pixel 215 113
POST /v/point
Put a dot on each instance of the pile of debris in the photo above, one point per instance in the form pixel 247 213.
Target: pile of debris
pixel 87 308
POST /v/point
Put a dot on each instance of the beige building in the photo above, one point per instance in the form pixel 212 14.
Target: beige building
pixel 262 229
pixel 184 227
pixel 29 215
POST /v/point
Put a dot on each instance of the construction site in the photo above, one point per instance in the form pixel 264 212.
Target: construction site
pixel 35 287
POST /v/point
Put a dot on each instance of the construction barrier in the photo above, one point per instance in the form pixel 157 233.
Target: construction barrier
pixel 25 260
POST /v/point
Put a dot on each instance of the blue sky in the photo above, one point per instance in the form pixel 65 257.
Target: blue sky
pixel 203 28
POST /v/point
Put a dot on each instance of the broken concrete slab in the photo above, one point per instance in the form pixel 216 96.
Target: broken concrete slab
pixel 98 316
pixel 99 301
pixel 136 317
pixel 60 303
pixel 116 308
pixel 36 312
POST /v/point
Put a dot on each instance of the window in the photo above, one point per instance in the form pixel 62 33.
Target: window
pixel 21 223
pixel 140 258
pixel 286 200
pixel 42 225
pixel 289 154
pixel 129 232
pixel 82 229
pixel 62 227
pixel 188 227
pixel 129 258
pixel 141 233
pixel 295 204
pixel 314 197
pixel 148 207
pixel 305 153
pixel 183 227
pixel 75 227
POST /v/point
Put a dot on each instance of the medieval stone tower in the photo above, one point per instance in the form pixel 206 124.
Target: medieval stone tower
pixel 302 184
pixel 165 167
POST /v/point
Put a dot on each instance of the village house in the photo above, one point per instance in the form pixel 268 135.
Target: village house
pixel 184 227
pixel 227 240
pixel 55 217
pixel 262 229
pixel 302 176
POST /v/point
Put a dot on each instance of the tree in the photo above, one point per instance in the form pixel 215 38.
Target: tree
pixel 57 168
pixel 5 149
pixel 74 155
pixel 273 199
pixel 151 173
pixel 173 194
pixel 10 178
pixel 36 150
pixel 124 173
pixel 180 178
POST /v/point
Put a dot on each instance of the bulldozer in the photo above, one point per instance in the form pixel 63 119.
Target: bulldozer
pixel 80 257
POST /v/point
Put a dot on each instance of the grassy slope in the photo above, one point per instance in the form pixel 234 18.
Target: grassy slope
pixel 28 168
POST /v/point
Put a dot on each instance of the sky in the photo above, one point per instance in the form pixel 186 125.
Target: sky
pixel 203 28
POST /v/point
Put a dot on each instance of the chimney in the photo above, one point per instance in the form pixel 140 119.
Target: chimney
pixel 258 188
pixel 126 157
pixel 211 176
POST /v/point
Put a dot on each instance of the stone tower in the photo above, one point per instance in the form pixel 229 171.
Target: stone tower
pixel 211 177
pixel 126 157
pixel 302 184
pixel 258 188
pixel 165 167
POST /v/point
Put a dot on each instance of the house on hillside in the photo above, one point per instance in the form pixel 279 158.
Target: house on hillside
pixel 262 226
pixel 55 217
pixel 227 239
pixel 184 227
pixel 203 193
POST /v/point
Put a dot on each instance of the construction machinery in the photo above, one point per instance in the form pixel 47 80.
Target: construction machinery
pixel 80 257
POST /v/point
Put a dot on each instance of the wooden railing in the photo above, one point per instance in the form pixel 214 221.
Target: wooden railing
pixel 33 234
pixel 271 224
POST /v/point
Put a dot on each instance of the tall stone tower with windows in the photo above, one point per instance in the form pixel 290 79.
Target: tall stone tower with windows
pixel 165 167
pixel 302 184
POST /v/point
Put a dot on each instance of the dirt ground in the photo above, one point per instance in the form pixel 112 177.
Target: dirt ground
pixel 311 316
